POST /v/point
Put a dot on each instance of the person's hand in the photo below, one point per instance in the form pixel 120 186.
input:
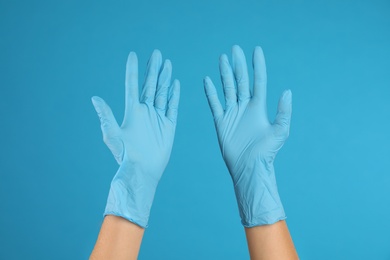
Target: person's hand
pixel 142 144
pixel 248 141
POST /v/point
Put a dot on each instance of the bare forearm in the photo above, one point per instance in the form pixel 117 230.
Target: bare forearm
pixel 270 242
pixel 118 239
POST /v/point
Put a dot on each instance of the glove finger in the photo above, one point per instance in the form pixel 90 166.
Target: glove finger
pixel 212 98
pixel 152 72
pixel 131 81
pixel 241 73
pixel 110 128
pixel 131 85
pixel 260 76
pixel 164 80
pixel 283 116
pixel 227 78
pixel 105 114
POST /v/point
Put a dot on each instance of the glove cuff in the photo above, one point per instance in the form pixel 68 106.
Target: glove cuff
pixel 257 196
pixel 131 195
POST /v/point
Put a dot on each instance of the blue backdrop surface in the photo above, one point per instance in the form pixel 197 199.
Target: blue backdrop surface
pixel 333 173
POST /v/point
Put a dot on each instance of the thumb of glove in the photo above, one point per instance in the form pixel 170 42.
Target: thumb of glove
pixel 110 128
pixel 283 116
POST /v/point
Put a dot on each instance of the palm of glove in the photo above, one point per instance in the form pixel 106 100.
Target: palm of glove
pixel 145 140
pixel 246 135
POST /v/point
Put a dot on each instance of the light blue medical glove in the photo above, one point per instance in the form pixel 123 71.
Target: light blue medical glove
pixel 142 144
pixel 248 141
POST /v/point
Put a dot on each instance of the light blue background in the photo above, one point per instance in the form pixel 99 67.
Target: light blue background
pixel 333 173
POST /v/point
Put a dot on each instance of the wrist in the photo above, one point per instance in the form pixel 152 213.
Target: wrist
pixel 257 194
pixel 131 194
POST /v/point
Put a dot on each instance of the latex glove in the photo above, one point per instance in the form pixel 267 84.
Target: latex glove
pixel 142 144
pixel 248 141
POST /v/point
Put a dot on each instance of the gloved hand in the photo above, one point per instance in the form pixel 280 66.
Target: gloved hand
pixel 142 144
pixel 248 141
